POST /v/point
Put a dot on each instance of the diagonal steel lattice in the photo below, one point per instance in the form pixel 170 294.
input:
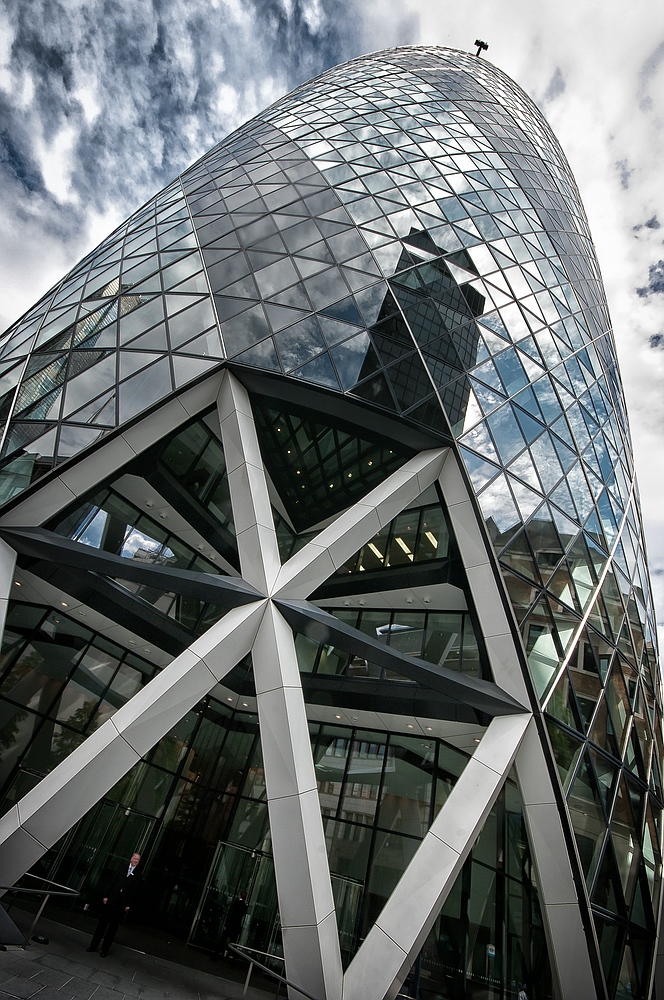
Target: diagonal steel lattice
pixel 265 605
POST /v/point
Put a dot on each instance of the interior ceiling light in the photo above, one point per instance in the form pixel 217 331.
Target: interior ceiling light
pixel 400 542
pixel 432 538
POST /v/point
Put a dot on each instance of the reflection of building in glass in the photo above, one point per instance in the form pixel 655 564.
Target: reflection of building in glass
pixel 329 573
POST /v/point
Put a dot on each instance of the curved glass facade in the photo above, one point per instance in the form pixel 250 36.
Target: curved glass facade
pixel 391 260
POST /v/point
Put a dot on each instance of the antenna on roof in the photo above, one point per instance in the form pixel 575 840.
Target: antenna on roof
pixel 480 45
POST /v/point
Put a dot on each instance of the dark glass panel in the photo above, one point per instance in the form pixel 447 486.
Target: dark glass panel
pixel 607 892
pixel 626 841
pixel 562 704
pixel 588 819
pixel 566 750
pixel 611 938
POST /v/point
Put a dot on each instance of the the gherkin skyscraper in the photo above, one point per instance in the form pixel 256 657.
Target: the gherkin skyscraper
pixel 323 569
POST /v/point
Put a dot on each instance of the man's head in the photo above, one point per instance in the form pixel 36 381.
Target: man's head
pixel 135 858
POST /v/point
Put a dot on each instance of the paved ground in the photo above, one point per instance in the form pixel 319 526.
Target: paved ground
pixel 63 970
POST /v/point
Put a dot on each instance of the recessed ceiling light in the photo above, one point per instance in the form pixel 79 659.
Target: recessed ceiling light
pixel 63 604
pixel 17 584
pixel 337 717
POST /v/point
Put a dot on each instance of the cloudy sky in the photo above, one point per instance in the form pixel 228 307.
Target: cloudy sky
pixel 102 103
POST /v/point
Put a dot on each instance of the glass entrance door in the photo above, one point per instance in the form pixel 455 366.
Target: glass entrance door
pixel 104 839
pixel 234 869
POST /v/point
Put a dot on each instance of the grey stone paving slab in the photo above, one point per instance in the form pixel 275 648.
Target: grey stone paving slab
pixel 128 988
pixel 63 970
pixel 21 987
pixel 16 964
pixel 66 965
pixel 50 977
pixel 104 993
pixel 51 993
pixel 105 979
pixel 81 988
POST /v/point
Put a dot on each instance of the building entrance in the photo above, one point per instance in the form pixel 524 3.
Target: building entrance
pixel 107 836
pixel 235 869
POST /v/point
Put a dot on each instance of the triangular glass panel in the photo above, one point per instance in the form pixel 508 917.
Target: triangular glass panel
pixel 355 359
pixel 245 330
pixel 608 892
pixel 73 439
pixel 376 390
pixel 518 556
pixel 299 344
pixel 542 645
pixel 320 370
pixel 562 705
pixel 588 819
pixel 140 391
pixel 186 369
pixel 345 310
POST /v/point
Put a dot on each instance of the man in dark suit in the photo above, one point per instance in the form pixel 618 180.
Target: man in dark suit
pixel 117 902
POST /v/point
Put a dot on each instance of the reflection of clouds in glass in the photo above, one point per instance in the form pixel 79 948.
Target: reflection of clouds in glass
pixel 326 288
pixel 244 330
pixel 136 540
pixel 74 439
pixel 349 358
pixel 480 441
pixel 579 488
pixel 498 506
pixel 296 346
pixel 346 245
pixel 93 532
pixel 525 498
pixel 89 384
pixel 370 300
pixel 276 277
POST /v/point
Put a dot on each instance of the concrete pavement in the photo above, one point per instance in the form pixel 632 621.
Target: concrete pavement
pixel 63 970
